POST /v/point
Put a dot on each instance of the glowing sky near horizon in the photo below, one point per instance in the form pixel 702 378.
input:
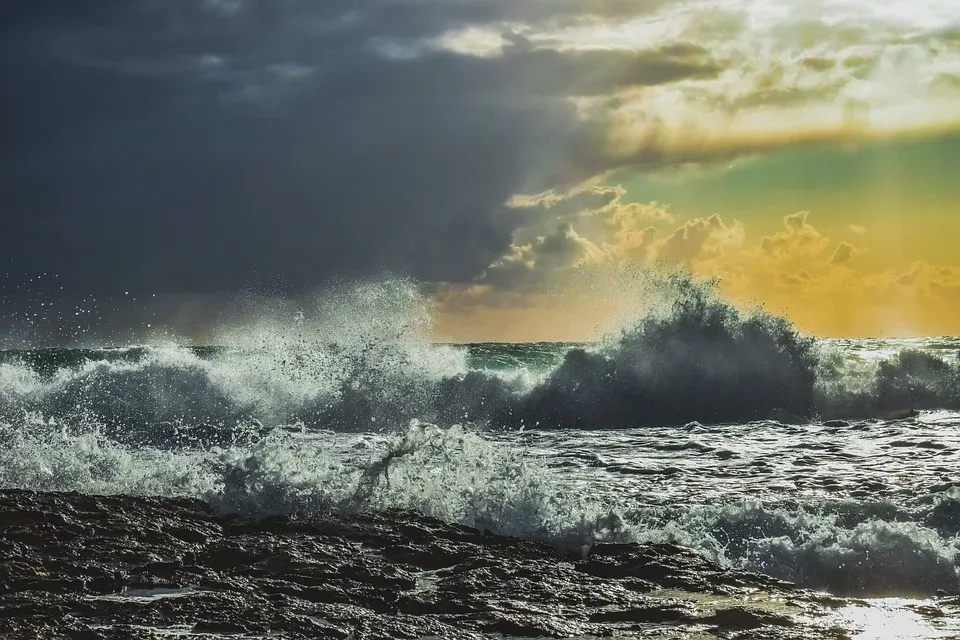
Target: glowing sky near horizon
pixel 812 174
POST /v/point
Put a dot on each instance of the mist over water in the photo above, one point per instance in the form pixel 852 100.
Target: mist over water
pixel 700 424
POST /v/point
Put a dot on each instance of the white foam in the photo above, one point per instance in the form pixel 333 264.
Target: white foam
pixel 457 475
pixel 362 354
pixel 818 550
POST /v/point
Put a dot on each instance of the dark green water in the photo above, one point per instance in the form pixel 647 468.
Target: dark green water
pixel 540 356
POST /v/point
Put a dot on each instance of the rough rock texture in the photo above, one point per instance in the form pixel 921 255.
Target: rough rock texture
pixel 78 566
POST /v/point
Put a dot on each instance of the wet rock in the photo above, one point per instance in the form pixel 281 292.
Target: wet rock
pixel 79 566
pixel 220 628
pixel 785 417
pixel 836 424
pixel 742 618
pixel 899 414
pixel 657 613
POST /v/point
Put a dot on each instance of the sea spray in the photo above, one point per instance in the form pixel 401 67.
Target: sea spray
pixel 699 359
pixel 363 359
pixel 909 380
pixel 356 360
pixel 453 474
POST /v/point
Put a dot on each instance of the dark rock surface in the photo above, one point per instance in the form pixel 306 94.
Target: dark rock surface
pixel 79 566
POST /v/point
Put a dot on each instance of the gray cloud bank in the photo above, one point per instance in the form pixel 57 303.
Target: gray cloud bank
pixel 194 146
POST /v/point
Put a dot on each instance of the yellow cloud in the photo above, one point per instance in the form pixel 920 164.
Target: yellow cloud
pixel 699 240
pixel 587 260
pixel 786 80
pixel 844 254
pixel 798 240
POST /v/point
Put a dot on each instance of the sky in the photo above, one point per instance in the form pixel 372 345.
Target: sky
pixel 522 160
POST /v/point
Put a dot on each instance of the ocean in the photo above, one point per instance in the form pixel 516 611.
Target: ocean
pixel 827 464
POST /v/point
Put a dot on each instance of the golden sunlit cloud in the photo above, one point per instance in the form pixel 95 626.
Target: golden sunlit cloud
pixel 689 81
pixel 686 83
pixel 584 266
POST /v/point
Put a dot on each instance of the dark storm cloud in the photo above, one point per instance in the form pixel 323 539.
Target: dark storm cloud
pixel 173 146
pixel 526 265
pixel 601 72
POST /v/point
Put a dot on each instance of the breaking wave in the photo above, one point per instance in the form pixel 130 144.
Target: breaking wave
pixel 698 359
pixel 859 552
pixel 910 380
pixel 359 360
pixel 453 474
pixel 362 359
pixel 457 475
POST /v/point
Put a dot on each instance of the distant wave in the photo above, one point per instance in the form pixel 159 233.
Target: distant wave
pixel 910 380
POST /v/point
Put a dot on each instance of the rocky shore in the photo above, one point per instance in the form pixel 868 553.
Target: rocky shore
pixel 81 566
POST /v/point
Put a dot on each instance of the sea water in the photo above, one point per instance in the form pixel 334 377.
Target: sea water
pixel 828 463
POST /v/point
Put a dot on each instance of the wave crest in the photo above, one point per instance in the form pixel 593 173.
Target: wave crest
pixel 362 359
pixel 701 359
